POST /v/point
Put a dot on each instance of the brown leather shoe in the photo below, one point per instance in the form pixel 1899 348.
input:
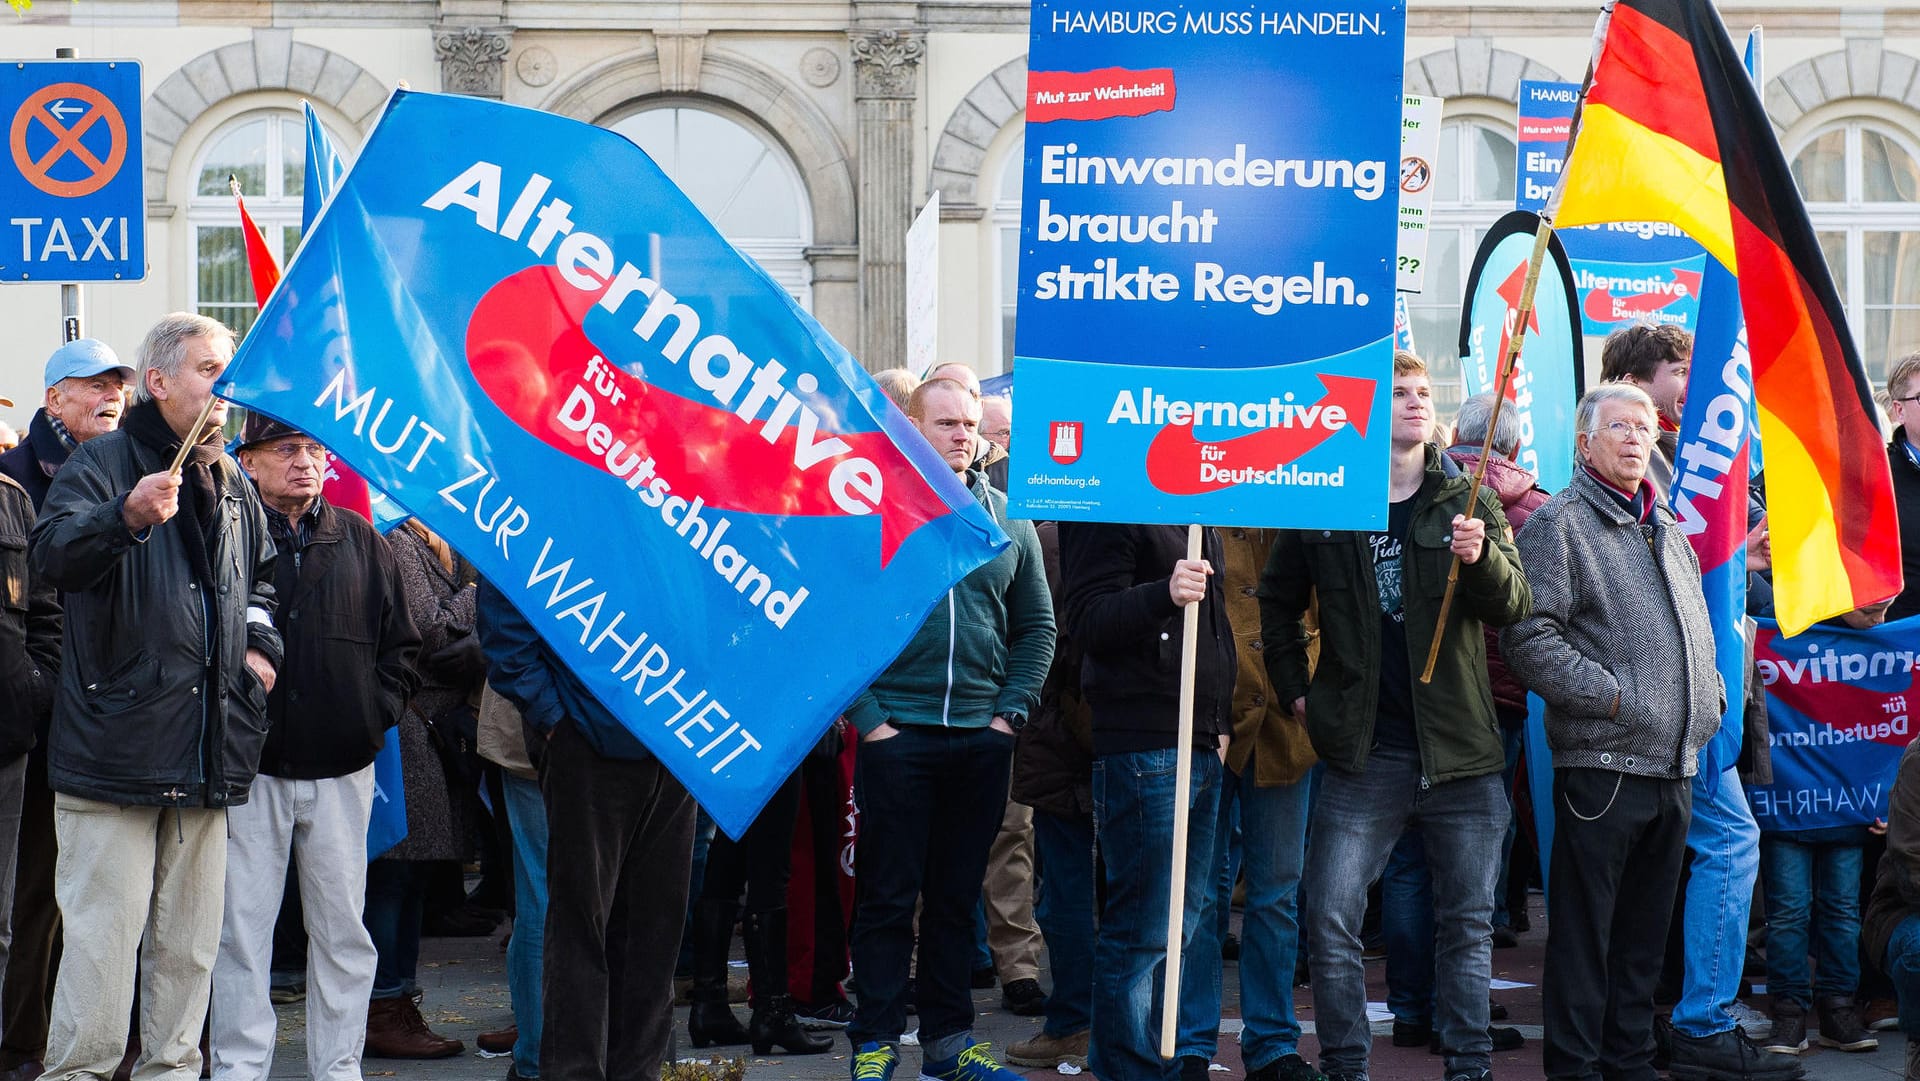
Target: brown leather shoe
pixel 498 1043
pixel 395 1029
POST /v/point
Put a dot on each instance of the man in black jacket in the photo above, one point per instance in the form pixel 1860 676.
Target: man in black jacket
pixel 350 648
pixel 1903 454
pixel 168 653
pixel 84 398
pixel 29 663
pixel 1125 586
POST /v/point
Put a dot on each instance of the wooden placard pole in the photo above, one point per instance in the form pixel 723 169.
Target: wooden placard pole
pixel 1182 796
pixel 193 440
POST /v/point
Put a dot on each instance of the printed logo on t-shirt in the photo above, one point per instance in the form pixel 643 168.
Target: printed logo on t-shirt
pixel 1386 573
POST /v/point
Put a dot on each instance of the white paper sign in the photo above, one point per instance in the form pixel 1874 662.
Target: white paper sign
pixel 1419 159
pixel 923 287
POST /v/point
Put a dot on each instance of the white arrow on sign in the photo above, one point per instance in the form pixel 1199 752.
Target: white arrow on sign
pixel 64 108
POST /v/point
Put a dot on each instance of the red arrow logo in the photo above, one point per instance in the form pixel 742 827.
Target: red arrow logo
pixel 1603 307
pixel 531 355
pixel 1179 464
pixel 1510 291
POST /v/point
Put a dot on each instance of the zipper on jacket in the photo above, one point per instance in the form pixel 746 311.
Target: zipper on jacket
pixel 953 628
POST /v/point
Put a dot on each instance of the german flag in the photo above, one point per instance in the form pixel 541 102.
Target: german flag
pixel 1673 130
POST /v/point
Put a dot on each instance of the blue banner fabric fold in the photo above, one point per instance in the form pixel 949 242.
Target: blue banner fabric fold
pixel 520 328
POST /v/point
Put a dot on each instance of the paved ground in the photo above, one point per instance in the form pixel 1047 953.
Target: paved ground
pixel 465 994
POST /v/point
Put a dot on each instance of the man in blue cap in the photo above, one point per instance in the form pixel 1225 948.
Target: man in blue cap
pixel 85 397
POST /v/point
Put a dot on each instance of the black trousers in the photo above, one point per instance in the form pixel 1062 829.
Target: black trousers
pixel 617 875
pixel 761 861
pixel 35 956
pixel 1619 842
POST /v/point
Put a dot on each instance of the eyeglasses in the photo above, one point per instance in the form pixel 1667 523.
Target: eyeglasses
pixel 998 435
pixel 1909 398
pixel 1622 430
pixel 287 452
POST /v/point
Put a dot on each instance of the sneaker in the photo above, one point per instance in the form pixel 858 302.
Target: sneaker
pixel 1288 1067
pixel 1840 1025
pixel 835 1014
pixel 875 1061
pixel 1756 1024
pixel 1023 998
pixel 1788 1035
pixel 1880 1014
pixel 1728 1056
pixel 973 1064
pixel 1046 1052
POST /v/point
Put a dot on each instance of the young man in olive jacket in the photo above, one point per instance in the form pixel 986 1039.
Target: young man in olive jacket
pixel 1399 751
pixel 349 670
pixel 167 657
pixel 936 743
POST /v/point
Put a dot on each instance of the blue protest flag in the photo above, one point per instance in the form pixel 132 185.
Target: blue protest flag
pixel 1839 716
pixel 324 170
pixel 516 325
pixel 1709 493
pixel 387 826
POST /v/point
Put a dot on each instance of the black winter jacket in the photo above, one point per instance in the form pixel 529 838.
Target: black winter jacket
pixel 38 457
pixel 1906 503
pixel 29 630
pixel 1129 630
pixel 350 649
pixel 144 715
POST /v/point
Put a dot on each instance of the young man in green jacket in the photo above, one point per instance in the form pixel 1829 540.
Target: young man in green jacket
pixel 1399 751
pixel 936 746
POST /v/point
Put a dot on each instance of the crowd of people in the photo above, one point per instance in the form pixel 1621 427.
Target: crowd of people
pixel 204 657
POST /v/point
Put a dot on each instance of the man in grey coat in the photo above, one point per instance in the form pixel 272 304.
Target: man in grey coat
pixel 1620 647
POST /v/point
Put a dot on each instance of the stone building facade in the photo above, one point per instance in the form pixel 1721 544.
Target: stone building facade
pixel 811 131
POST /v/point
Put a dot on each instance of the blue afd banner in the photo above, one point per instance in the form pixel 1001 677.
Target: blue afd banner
pixel 1709 493
pixel 1623 272
pixel 1207 245
pixel 1545 384
pixel 1838 719
pixel 520 328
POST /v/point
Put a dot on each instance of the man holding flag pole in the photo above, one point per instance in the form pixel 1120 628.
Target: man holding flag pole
pixel 1665 132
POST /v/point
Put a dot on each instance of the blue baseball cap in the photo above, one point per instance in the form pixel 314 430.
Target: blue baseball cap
pixel 84 358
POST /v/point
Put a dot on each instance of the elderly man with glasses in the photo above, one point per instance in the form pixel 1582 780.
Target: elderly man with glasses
pixel 1620 647
pixel 348 672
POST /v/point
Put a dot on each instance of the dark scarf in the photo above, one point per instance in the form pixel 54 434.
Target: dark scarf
pixel 199 487
pixel 1638 503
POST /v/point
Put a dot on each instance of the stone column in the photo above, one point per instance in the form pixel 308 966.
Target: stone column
pixel 886 65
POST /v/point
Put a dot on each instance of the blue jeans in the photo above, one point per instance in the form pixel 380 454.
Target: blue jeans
pixel 396 903
pixel 1406 922
pixel 1230 845
pixel 1359 818
pixel 1514 742
pixel 526 950
pixel 1902 965
pixel 1274 821
pixel 1723 845
pixel 1064 909
pixel 1813 892
pixel 1133 821
pixel 1201 969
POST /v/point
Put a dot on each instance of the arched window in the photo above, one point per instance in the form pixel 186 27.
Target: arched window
pixel 740 178
pixel 266 151
pixel 1861 182
pixel 1473 188
pixel 1006 235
